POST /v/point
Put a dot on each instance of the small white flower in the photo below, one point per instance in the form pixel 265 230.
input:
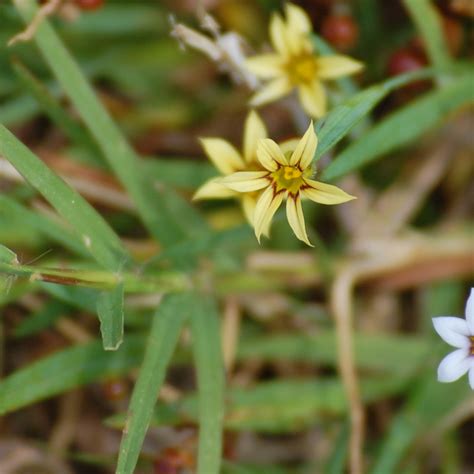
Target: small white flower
pixel 458 333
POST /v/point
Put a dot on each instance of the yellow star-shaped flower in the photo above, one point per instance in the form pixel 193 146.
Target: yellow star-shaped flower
pixel 285 175
pixel 228 160
pixel 295 64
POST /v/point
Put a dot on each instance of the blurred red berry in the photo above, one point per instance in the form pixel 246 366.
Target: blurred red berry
pixel 405 60
pixel 341 31
pixel 115 390
pixel 89 4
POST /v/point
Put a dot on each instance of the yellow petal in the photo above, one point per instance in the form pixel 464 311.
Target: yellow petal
pixel 325 193
pixel 254 130
pixel 246 181
pixel 294 213
pixel 297 19
pixel 271 91
pixel 267 205
pixel 278 35
pixel 304 152
pixel 223 155
pixel 266 66
pixel 248 205
pixel 213 189
pixel 269 154
pixel 313 99
pixel 332 67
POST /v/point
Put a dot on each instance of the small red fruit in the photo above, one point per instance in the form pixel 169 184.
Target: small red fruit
pixel 89 4
pixel 341 31
pixel 405 60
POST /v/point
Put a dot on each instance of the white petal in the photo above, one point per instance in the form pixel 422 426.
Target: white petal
pixel 470 311
pixel 224 156
pixel 254 130
pixel 332 67
pixel 313 99
pixel 454 366
pixel 213 189
pixel 471 376
pixel 265 209
pixel 271 91
pixel 304 152
pixel 454 331
pixel 295 216
pixel 269 154
pixel 246 181
pixel 324 193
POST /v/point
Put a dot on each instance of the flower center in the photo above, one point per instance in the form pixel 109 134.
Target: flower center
pixel 302 69
pixel 289 178
pixel 471 350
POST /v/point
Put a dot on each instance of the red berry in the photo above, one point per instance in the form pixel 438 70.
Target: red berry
pixel 89 4
pixel 405 60
pixel 341 31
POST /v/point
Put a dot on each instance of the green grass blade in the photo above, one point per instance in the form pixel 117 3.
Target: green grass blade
pixel 339 122
pixel 428 24
pixel 110 312
pixel 42 224
pixel 65 370
pixel 164 333
pixel 210 377
pixel 429 403
pixel 99 238
pixel 51 106
pixel 393 132
pixel 163 223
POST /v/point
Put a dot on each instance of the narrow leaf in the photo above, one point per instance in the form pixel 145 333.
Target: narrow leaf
pixel 102 242
pixel 65 370
pixel 393 132
pixel 110 312
pixel 210 376
pixel 428 23
pixel 337 124
pixel 164 333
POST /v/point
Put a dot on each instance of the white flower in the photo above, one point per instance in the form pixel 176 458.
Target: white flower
pixel 458 333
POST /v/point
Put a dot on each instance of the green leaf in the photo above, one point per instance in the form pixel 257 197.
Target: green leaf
pixel 210 376
pixel 41 319
pixel 65 370
pixel 429 403
pixel 52 107
pixel 42 224
pixel 163 337
pixel 102 242
pixel 7 256
pixel 110 312
pixel 336 124
pixel 394 133
pixel 402 354
pixel 153 206
pixel 428 23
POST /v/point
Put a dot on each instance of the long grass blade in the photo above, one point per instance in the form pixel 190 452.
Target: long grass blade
pixel 210 376
pixel 163 337
pixel 393 132
pixel 98 237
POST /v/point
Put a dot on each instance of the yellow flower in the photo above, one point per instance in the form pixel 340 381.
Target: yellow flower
pixel 294 64
pixel 228 160
pixel 286 175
